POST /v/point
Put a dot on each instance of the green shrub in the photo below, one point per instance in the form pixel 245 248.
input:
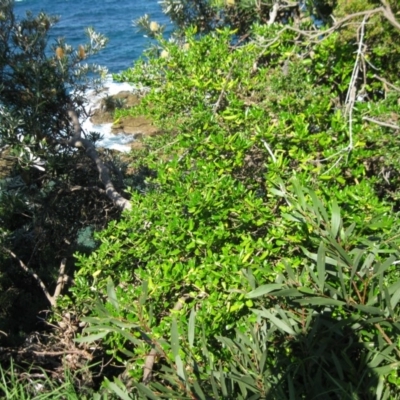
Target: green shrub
pixel 328 328
pixel 221 214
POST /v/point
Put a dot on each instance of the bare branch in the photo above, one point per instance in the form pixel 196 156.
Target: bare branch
pixel 62 278
pixel 388 13
pixel 273 13
pixel 397 89
pixel 269 151
pixel 381 123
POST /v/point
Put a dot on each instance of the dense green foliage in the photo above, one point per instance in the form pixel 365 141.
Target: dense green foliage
pixel 226 210
pixel 260 257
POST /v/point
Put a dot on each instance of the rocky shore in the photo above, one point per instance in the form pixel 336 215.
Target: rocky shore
pixel 137 127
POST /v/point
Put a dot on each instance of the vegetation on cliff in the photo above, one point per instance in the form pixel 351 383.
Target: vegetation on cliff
pixel 259 258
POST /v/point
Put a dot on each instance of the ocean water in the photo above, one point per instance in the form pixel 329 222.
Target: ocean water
pixel 113 18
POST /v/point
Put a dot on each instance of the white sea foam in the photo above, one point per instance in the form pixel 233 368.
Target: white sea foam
pixel 110 140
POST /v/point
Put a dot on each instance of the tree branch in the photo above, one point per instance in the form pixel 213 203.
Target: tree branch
pixel 62 278
pixel 104 175
pixel 388 13
pixel 381 123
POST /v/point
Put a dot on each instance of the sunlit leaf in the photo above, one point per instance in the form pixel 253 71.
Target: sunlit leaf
pixel 112 296
pixel 336 220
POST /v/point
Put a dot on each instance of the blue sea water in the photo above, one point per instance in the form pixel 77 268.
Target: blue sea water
pixel 113 18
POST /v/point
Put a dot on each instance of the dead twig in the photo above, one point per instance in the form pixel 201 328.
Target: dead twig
pixel 381 123
pixel 397 89
pixel 62 277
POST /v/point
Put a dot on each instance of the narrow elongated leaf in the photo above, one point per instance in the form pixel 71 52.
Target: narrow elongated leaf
pixel 356 262
pixel 395 288
pixel 338 365
pixel 381 268
pixel 174 338
pixel 318 206
pixel 321 266
pixel 277 192
pixel 344 257
pixel 263 359
pixel 343 294
pixel 292 218
pixel 320 301
pixel 369 309
pixel 287 293
pixel 179 367
pixel 143 389
pixel 91 338
pixel 123 325
pixel 290 271
pixel 395 298
pixel 276 321
pixel 306 290
pixel 380 387
pixel 263 290
pixel 312 256
pixel 214 386
pixel 118 391
pixel 335 220
pixel 388 303
pixel 191 327
pixel 386 369
pixel 292 392
pixel 199 391
pixel 223 382
pixel 112 296
pixel 143 295
pixel 299 192
pixel 349 231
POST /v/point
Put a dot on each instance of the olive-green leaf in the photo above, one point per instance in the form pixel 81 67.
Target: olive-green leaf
pixel 179 367
pixel 306 290
pixel 276 321
pixel 336 220
pixel 174 338
pixel 112 296
pixel 369 309
pixel 143 389
pixel 321 266
pixel 118 391
pixel 191 327
pixel 320 301
pixel 91 338
pixel 263 290
pixel 287 293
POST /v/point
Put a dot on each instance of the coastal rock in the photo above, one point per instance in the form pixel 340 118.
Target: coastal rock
pixel 138 126
pixel 103 114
